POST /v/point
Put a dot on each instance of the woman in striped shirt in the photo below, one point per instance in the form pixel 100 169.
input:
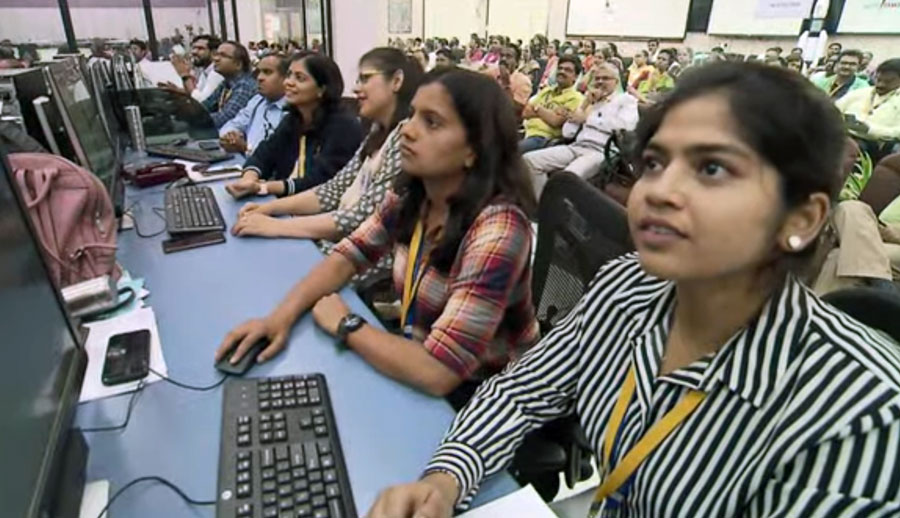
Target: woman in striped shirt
pixel 710 382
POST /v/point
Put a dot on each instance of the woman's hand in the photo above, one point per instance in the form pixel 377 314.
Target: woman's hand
pixel 257 224
pixel 254 208
pixel 243 187
pixel 431 497
pixel 242 337
pixel 329 311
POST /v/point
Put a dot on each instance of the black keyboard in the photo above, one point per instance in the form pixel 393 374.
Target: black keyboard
pixel 280 455
pixel 192 208
pixel 189 153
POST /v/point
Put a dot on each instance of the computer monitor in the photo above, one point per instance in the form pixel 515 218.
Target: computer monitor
pixel 43 367
pixel 84 125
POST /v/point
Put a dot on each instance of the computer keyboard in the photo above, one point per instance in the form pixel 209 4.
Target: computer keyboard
pixel 280 455
pixel 189 153
pixel 192 208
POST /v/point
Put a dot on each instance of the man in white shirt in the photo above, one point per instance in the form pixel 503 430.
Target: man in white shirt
pixel 201 81
pixel 603 111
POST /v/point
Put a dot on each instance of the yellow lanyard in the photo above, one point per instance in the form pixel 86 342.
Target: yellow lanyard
pixel 644 446
pixel 414 274
pixel 300 166
pixel 226 94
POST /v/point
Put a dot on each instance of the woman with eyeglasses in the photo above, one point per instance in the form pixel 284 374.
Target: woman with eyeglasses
pixel 709 381
pixel 386 84
pixel 312 142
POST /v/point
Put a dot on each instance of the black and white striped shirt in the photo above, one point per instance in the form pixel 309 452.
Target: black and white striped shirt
pixel 801 416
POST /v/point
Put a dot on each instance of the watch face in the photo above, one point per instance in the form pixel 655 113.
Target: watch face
pixel 353 322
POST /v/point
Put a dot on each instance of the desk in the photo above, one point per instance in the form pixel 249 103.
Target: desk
pixel 388 431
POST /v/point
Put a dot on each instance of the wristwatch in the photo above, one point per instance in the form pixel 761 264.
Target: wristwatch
pixel 350 323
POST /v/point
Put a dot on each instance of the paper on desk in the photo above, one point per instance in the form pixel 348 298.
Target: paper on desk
pixel 524 503
pixel 95 345
pixel 160 72
pixel 200 178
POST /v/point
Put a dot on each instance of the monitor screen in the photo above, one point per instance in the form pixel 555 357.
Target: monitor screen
pixel 39 347
pixel 75 96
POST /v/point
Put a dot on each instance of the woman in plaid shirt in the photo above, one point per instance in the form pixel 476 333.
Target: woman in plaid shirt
pixel 462 204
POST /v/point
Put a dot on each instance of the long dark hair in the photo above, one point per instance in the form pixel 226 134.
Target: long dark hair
pixel 327 76
pixel 491 130
pixel 389 61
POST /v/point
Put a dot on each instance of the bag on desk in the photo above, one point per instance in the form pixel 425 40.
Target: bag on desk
pixel 72 216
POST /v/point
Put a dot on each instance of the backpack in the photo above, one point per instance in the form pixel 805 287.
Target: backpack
pixel 72 216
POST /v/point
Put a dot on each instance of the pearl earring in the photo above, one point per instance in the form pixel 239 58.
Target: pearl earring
pixel 795 242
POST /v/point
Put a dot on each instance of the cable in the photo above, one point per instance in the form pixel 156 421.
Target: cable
pixel 122 426
pixel 162 481
pixel 191 387
pixel 137 229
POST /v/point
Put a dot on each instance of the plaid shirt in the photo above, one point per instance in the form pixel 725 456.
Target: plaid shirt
pixel 478 317
pixel 229 98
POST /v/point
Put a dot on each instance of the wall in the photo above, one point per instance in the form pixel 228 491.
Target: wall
pixel 354 34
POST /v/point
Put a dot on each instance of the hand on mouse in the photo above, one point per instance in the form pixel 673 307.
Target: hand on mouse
pixel 241 339
pixel 431 497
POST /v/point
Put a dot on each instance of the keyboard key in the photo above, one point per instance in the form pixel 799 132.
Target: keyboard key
pixel 319 411
pixel 265 437
pixel 321 431
pixel 336 508
pixel 280 435
pixel 327 461
pixel 319 421
pixel 243 490
pixel 243 428
pixel 301 485
pixel 267 458
pixel 244 419
pixel 280 425
pixel 244 510
pixel 243 465
pixel 243 439
pixel 284 478
pixel 301 497
pixel 306 422
pixel 290 402
pixel 243 455
pixel 302 400
pixel 281 452
pixel 324 447
pixel 318 501
pixel 321 513
pixel 315 476
pixel 270 512
pixel 297 455
pixel 277 403
pixel 299 473
pixel 243 477
pixel 286 514
pixel 286 504
pixel 278 416
pixel 304 511
pixel 268 474
pixel 317 488
pixel 283 466
pixel 269 499
pixel 265 427
pixel 269 486
pixel 264 405
pixel 329 476
pixel 265 418
pixel 312 456
pixel 285 490
pixel 289 392
pixel 276 394
pixel 332 491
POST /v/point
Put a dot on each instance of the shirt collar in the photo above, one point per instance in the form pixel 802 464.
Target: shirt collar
pixel 753 360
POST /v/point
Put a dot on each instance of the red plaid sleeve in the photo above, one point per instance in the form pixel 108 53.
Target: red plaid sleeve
pixel 373 238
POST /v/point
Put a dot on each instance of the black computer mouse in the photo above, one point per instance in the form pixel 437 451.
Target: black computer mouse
pixel 241 367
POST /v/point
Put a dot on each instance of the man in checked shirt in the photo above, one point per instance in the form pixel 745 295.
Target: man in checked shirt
pixel 231 60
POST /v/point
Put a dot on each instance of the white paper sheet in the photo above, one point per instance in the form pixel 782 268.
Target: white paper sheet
pixel 94 499
pixel 95 345
pixel 160 72
pixel 524 503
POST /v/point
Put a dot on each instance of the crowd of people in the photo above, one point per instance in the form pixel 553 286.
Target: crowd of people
pixel 787 407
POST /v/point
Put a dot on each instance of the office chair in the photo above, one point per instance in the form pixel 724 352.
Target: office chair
pixel 876 308
pixel 579 229
pixel 884 185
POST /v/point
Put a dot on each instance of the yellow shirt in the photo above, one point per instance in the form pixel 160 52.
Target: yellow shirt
pixel 880 112
pixel 549 98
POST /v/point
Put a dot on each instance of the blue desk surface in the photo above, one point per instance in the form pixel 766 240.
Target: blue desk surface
pixel 388 431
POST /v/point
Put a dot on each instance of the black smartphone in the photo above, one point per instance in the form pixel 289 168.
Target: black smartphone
pixel 188 241
pixel 127 357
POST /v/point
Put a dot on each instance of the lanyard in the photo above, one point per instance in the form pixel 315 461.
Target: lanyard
pixel 300 167
pixel 414 274
pixel 653 438
pixel 226 94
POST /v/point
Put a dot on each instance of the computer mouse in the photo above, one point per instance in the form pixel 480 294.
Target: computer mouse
pixel 241 367
pixel 181 182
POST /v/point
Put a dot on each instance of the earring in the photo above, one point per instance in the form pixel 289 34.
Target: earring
pixel 795 242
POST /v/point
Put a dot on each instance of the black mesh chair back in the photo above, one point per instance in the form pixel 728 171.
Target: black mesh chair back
pixel 579 229
pixel 876 308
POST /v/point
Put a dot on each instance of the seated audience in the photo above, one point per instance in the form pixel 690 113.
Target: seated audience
pixel 603 111
pixel 701 361
pixel 201 79
pixel 458 228
pixel 659 81
pixel 256 121
pixel 640 70
pixel 443 58
pixel 794 63
pixel 330 212
pixel 232 62
pixel 314 139
pixel 873 113
pixel 547 111
pixel 548 76
pixel 866 68
pixel 516 84
pixel 139 51
pixel 845 77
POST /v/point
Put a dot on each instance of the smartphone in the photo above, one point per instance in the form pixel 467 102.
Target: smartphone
pixel 188 241
pixel 127 357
